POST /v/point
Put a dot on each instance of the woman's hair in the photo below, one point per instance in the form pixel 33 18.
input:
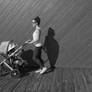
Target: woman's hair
pixel 37 20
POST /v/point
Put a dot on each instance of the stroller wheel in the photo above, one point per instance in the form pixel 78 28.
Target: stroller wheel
pixel 15 73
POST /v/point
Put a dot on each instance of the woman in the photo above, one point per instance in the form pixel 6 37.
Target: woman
pixel 38 45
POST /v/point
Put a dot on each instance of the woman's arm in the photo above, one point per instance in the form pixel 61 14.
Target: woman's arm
pixel 36 37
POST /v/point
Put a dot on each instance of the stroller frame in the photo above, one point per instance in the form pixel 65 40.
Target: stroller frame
pixel 14 72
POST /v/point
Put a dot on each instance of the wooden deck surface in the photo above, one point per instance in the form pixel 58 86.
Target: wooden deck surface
pixel 60 80
pixel 69 43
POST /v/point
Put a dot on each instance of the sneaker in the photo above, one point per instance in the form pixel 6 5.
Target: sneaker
pixel 37 71
pixel 43 70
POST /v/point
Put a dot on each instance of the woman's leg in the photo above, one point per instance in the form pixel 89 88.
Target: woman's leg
pixel 37 56
pixel 38 60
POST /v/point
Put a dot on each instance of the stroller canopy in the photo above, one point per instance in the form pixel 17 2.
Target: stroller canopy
pixel 6 46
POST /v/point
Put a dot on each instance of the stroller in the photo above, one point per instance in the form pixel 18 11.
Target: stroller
pixel 11 54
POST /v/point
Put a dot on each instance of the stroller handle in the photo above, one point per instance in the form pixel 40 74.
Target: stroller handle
pixel 18 49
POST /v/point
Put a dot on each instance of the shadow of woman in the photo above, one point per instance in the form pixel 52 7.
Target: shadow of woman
pixel 51 47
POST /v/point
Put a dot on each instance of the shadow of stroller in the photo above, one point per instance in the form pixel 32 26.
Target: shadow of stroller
pixel 51 47
pixel 30 64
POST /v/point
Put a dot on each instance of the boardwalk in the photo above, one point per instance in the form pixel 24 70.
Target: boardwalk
pixel 69 43
pixel 61 80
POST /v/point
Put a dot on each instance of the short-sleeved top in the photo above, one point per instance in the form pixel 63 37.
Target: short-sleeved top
pixel 36 37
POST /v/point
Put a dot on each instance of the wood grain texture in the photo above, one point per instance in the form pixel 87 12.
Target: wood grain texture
pixel 69 43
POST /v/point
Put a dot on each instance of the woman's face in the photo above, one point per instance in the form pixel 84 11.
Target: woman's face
pixel 34 23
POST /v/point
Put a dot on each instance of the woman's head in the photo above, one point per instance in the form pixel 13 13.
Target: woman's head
pixel 36 21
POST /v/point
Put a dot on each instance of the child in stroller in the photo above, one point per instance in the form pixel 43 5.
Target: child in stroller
pixel 11 52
